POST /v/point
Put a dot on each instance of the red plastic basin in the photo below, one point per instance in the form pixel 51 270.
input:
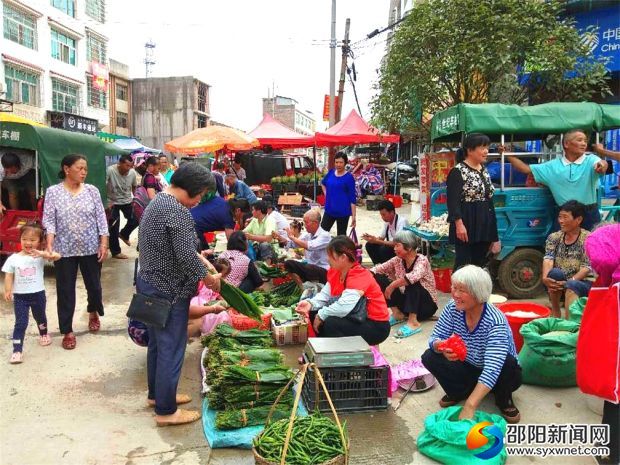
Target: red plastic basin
pixel 516 323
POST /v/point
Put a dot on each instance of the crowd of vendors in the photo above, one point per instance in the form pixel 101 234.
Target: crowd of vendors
pixel 173 207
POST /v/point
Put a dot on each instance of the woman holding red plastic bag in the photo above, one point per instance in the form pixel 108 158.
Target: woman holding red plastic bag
pixel 600 334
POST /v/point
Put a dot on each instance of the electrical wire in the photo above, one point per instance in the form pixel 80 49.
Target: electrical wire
pixel 354 91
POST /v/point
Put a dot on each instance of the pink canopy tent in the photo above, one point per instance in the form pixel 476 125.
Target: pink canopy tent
pixel 273 133
pixel 353 130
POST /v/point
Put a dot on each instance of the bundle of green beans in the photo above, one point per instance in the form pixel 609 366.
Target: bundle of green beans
pixel 231 419
pixel 237 396
pixel 315 439
pixel 251 337
pixel 285 294
pixel 270 271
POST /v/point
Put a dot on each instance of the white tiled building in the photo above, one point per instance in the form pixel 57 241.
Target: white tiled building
pixel 50 50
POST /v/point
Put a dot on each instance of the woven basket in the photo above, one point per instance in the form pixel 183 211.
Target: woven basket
pixel 338 460
pixel 260 460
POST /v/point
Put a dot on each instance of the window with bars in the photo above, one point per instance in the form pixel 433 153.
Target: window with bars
pixel 65 97
pixel 202 98
pixel 19 27
pixel 202 121
pixel 122 119
pixel 21 86
pixel 95 49
pixel 96 9
pixel 63 47
pixel 66 6
pixel 95 98
pixel 122 92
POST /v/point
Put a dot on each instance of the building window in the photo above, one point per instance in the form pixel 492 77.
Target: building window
pixel 21 86
pixel 63 47
pixel 202 98
pixel 95 98
pixel 65 97
pixel 96 9
pixel 122 119
pixel 95 49
pixel 202 121
pixel 66 6
pixel 19 27
pixel 122 92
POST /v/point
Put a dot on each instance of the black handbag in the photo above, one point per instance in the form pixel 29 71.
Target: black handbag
pixel 359 314
pixel 152 311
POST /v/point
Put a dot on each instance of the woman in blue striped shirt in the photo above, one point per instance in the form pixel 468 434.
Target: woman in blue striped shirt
pixel 491 364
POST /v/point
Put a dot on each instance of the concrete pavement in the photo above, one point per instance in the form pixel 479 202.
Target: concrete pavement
pixel 87 406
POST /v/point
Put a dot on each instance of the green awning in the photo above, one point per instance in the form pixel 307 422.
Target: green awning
pixel 52 145
pixel 494 119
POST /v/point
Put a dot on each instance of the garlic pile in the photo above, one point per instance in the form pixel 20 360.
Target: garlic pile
pixel 437 225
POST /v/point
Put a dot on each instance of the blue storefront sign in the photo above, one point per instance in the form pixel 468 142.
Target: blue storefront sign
pixel 604 41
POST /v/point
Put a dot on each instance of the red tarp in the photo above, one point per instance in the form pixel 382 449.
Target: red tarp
pixel 353 130
pixel 273 133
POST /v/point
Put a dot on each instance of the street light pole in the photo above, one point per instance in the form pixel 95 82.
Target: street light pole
pixel 332 69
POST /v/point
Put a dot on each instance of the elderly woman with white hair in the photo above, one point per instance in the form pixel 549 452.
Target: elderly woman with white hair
pixel 408 284
pixel 491 363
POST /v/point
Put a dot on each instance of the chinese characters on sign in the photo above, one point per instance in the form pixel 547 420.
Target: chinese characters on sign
pixel 10 135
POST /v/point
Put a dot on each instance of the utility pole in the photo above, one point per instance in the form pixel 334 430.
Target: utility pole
pixel 332 69
pixel 343 68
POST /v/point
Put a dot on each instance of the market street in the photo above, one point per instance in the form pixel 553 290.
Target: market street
pixel 87 406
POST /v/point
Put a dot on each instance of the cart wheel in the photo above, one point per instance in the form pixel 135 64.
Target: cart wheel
pixel 520 273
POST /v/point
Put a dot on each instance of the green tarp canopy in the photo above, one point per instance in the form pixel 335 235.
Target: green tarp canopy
pixel 494 119
pixel 52 145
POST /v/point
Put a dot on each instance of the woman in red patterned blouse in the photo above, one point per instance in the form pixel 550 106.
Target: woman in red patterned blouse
pixel 408 284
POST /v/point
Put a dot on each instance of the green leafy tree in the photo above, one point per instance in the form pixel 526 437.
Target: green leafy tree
pixel 475 51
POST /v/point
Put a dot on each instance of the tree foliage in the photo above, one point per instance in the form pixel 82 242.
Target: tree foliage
pixel 474 51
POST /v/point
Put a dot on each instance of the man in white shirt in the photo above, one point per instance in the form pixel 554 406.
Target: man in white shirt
pixel 121 183
pixel 282 224
pixel 238 169
pixel 380 249
pixel 315 241
pixel 17 173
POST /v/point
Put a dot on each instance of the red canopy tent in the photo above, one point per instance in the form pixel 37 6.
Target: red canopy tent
pixel 353 130
pixel 273 133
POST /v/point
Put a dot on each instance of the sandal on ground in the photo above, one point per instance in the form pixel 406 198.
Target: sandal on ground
pixel 406 331
pixel 93 323
pixel 180 417
pixel 181 399
pixel 69 342
pixel 510 413
pixel 120 256
pixel 45 340
pixel 16 358
pixel 394 321
pixel 447 401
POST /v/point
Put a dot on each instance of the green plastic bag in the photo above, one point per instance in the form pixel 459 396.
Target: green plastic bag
pixel 444 438
pixel 575 311
pixel 549 359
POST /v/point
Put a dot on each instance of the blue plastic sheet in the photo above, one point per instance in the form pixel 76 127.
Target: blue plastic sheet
pixel 241 437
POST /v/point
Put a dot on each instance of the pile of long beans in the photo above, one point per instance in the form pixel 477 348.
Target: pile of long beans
pixel 232 419
pixel 315 439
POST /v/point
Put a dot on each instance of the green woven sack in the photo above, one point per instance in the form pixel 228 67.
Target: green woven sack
pixel 575 311
pixel 548 356
pixel 444 438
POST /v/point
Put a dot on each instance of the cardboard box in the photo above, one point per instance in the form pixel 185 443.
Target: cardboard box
pixel 290 199
pixel 290 333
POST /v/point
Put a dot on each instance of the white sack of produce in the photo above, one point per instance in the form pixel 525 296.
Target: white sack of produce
pixel 437 225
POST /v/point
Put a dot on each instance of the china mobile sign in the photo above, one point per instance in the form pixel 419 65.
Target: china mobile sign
pixel 600 30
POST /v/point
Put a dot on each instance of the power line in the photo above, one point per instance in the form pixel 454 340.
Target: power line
pixel 377 31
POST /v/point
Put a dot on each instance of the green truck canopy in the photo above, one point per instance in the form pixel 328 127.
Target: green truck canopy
pixel 52 145
pixel 494 119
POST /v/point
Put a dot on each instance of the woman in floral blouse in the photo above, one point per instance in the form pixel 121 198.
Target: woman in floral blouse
pixel 76 227
pixel 473 226
pixel 408 284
